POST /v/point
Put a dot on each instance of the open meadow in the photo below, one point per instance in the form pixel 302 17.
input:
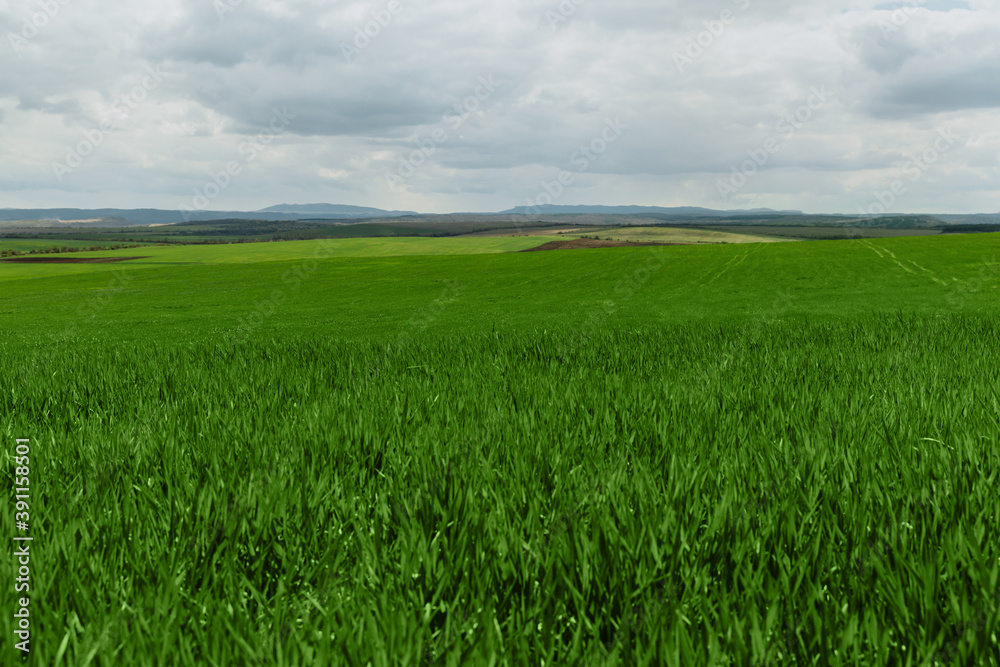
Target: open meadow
pixel 256 253
pixel 29 244
pixel 412 451
pixel 674 235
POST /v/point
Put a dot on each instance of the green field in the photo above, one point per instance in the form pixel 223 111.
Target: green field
pixel 257 253
pixel 25 245
pixel 812 232
pixel 673 235
pixel 399 452
pixel 242 231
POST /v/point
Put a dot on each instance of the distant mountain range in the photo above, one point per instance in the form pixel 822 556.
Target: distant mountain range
pixel 115 217
pixel 677 211
pixel 334 210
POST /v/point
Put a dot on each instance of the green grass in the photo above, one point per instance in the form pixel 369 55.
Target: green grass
pixel 374 297
pixel 672 235
pixel 286 230
pixel 25 245
pixel 856 229
pixel 255 253
pixel 746 455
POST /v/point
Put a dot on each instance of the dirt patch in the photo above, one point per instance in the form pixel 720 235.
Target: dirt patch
pixel 70 260
pixel 578 244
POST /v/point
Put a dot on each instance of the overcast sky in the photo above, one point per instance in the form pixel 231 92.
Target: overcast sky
pixel 459 105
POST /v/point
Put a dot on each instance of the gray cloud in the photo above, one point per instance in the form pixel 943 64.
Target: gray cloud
pixel 30 102
pixel 936 92
pixel 700 87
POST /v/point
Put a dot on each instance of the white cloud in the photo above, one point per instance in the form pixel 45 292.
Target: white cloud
pixel 356 118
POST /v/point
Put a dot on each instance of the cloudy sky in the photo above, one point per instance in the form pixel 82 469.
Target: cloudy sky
pixel 459 105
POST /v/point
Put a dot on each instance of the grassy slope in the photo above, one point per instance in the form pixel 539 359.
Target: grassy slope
pixel 675 235
pixel 817 232
pixel 254 253
pixel 354 297
pixel 681 474
pixel 42 244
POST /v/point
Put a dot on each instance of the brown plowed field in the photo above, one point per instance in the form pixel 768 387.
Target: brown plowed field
pixel 577 244
pixel 69 260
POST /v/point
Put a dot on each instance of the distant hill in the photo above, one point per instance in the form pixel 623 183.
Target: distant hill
pixel 78 217
pixel 48 223
pixel 583 215
pixel 339 210
pixel 115 217
pixel 677 211
pixel 979 219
